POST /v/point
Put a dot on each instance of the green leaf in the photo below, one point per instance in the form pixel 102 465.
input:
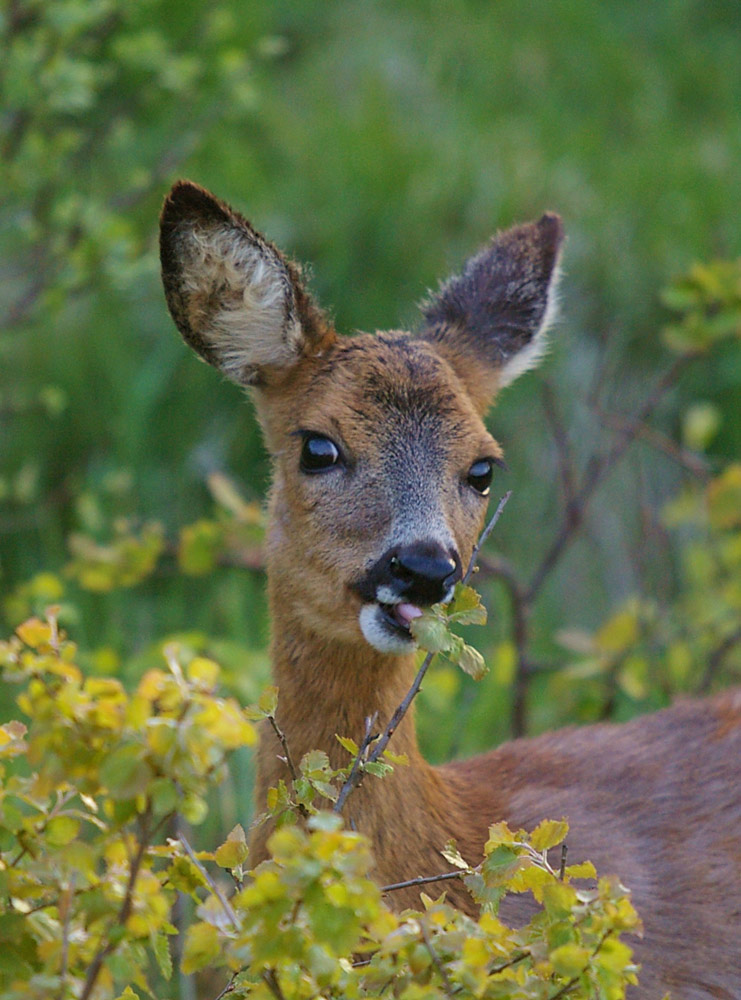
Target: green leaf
pixel 315 762
pixel 466 607
pixel 548 833
pixel 432 633
pixel 350 745
pixel 378 768
pixel 61 830
pixel 200 546
pixel 268 700
pixel 125 773
pixel 583 870
pixel 472 662
pixel 233 852
pixel 328 822
pixel 161 948
pixel 202 946
pixel 618 632
pixel 500 864
pixel 569 960
pixel 452 855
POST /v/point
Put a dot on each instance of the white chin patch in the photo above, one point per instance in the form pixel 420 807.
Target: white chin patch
pixel 380 634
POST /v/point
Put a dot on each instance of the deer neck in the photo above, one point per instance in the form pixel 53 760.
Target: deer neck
pixel 329 689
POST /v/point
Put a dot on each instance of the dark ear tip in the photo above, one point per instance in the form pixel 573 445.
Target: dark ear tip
pixel 551 227
pixel 188 200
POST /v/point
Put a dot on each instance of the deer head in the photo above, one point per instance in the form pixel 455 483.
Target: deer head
pixel 382 462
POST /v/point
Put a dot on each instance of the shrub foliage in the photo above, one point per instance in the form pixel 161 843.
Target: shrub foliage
pixel 100 887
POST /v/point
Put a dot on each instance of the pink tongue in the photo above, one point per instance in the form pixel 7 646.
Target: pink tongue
pixel 406 612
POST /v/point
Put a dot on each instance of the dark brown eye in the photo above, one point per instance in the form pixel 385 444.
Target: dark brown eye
pixel 318 453
pixel 479 476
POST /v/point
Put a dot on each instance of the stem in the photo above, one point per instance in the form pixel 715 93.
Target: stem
pixel 123 914
pixel 355 774
pixel 423 880
pixel 225 904
pixel 485 534
pixel 272 984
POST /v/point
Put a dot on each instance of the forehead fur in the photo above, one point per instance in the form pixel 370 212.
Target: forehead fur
pixel 376 381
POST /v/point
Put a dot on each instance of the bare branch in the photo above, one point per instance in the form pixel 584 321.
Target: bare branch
pixel 271 981
pixel 716 658
pixel 124 911
pixel 696 465
pixel 353 778
pixel 485 534
pixel 228 988
pixel 284 744
pixel 566 464
pixel 423 880
pixel 225 904
pixel 597 469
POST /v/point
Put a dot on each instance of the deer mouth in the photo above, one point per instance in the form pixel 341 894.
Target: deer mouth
pixel 400 616
pixel 386 625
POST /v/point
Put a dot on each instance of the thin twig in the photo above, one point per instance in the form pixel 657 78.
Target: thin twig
pixel 716 658
pixel 508 965
pixel 564 456
pixel 225 904
pixel 65 909
pixel 288 759
pixel 271 981
pixel 566 988
pixel 562 866
pixel 284 744
pixel 123 914
pixel 484 535
pixel 355 774
pixel 228 988
pixel 693 463
pixel 423 880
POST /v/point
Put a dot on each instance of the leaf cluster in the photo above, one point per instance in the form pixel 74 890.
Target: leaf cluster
pixel 707 300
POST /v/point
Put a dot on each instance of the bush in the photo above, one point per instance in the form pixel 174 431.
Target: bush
pixel 101 887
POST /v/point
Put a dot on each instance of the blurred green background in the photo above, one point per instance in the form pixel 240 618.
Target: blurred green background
pixel 381 143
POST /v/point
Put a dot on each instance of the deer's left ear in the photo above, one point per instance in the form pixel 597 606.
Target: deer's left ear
pixel 490 321
pixel 235 298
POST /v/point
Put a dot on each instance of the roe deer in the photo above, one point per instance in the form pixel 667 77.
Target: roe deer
pixel 382 466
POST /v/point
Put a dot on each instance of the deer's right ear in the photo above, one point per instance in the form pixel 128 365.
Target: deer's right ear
pixel 234 297
pixel 490 321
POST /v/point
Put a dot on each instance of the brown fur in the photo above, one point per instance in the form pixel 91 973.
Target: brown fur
pixel 656 801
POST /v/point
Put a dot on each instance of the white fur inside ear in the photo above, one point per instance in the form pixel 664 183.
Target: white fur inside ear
pixel 249 310
pixel 532 354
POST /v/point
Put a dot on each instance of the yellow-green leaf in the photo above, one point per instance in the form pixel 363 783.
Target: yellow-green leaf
pixel 233 852
pixel 569 959
pixel 548 833
pixel 472 662
pixel 201 947
pixel 431 633
pixel 60 830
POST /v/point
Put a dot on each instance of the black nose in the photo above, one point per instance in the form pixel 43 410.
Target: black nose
pixel 423 571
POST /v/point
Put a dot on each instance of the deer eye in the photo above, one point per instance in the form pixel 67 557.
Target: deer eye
pixel 479 476
pixel 318 453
